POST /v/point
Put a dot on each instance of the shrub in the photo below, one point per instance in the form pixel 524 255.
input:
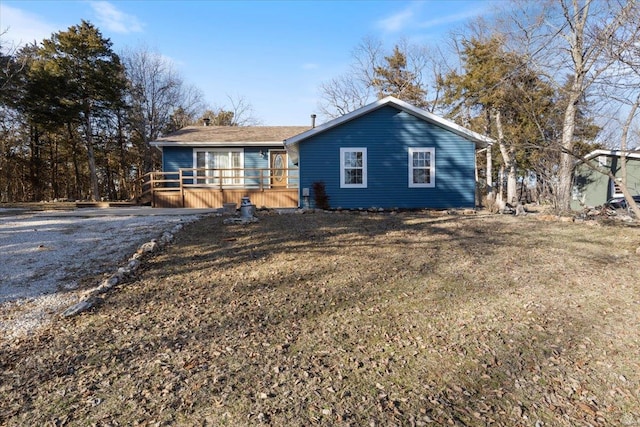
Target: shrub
pixel 320 195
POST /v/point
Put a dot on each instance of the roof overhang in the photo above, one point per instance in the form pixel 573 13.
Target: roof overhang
pixel 215 143
pixel 611 153
pixel 292 144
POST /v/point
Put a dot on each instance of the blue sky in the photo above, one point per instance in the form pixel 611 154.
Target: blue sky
pixel 274 54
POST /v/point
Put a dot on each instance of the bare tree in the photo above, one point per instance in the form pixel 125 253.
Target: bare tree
pixel 341 95
pixel 622 85
pixel 362 82
pixel 243 114
pixel 11 64
pixel 156 92
pixel 572 38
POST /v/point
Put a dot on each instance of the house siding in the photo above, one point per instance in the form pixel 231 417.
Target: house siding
pixel 387 133
pixel 592 188
pixel 175 158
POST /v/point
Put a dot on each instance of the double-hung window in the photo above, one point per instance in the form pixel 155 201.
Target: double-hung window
pixel 353 168
pixel 215 165
pixel 422 168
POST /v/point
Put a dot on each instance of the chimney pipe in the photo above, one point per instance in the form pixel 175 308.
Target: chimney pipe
pixel 313 120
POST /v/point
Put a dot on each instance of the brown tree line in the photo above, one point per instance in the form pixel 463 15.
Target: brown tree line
pixel 76 118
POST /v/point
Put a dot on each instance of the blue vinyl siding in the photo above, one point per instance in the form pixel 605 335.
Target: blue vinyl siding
pixel 174 158
pixel 387 133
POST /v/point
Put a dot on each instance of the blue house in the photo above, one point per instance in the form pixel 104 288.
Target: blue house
pixel 209 166
pixel 388 154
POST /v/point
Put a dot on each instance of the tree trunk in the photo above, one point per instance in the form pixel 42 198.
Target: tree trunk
pixel 500 195
pixel 35 166
pixel 489 170
pixel 509 159
pixel 95 187
pixel 565 171
pixel 77 191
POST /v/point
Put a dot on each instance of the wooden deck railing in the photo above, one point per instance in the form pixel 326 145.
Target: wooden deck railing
pixel 187 180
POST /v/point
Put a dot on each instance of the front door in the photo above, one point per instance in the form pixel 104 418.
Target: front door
pixel 278 163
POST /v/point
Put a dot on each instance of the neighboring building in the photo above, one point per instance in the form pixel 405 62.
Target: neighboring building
pixel 592 188
pixel 208 166
pixel 388 154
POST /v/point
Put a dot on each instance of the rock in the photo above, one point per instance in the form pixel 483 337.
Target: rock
pixel 166 238
pixel 148 247
pixel 79 307
pixel 111 281
pixel 133 264
pixel 638 250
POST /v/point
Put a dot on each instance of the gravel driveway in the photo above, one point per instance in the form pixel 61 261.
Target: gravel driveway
pixel 45 255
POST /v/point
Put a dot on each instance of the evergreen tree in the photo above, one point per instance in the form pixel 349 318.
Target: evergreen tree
pixel 396 80
pixel 92 82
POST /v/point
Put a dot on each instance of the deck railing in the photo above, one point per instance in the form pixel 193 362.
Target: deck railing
pixel 186 179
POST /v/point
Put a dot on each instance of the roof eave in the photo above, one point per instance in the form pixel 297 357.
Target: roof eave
pixel 476 138
pixel 614 153
pixel 214 143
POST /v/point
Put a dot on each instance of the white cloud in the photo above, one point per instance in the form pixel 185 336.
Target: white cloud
pixel 22 27
pixel 397 21
pixel 112 19
pixel 412 17
pixel 309 66
pixel 455 17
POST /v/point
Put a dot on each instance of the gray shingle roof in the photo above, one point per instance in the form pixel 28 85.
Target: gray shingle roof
pixel 198 135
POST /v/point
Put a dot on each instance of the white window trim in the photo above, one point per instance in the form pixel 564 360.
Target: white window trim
pixel 212 180
pixel 432 168
pixel 343 151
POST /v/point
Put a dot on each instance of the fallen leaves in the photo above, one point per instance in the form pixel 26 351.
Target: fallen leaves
pixel 340 319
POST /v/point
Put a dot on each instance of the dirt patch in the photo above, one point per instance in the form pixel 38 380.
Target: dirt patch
pixel 351 319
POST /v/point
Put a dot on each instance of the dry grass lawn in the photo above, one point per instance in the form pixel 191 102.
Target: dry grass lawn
pixel 351 320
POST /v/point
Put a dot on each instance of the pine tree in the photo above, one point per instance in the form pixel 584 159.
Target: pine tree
pixel 396 80
pixel 92 81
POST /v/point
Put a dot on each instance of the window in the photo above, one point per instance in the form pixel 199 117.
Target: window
pixel 422 168
pixel 216 164
pixel 353 168
pixel 616 191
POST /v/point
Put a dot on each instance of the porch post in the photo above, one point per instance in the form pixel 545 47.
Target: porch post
pixel 489 168
pixel 152 188
pixel 180 177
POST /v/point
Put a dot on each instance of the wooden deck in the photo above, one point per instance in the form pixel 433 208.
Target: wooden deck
pixel 212 188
